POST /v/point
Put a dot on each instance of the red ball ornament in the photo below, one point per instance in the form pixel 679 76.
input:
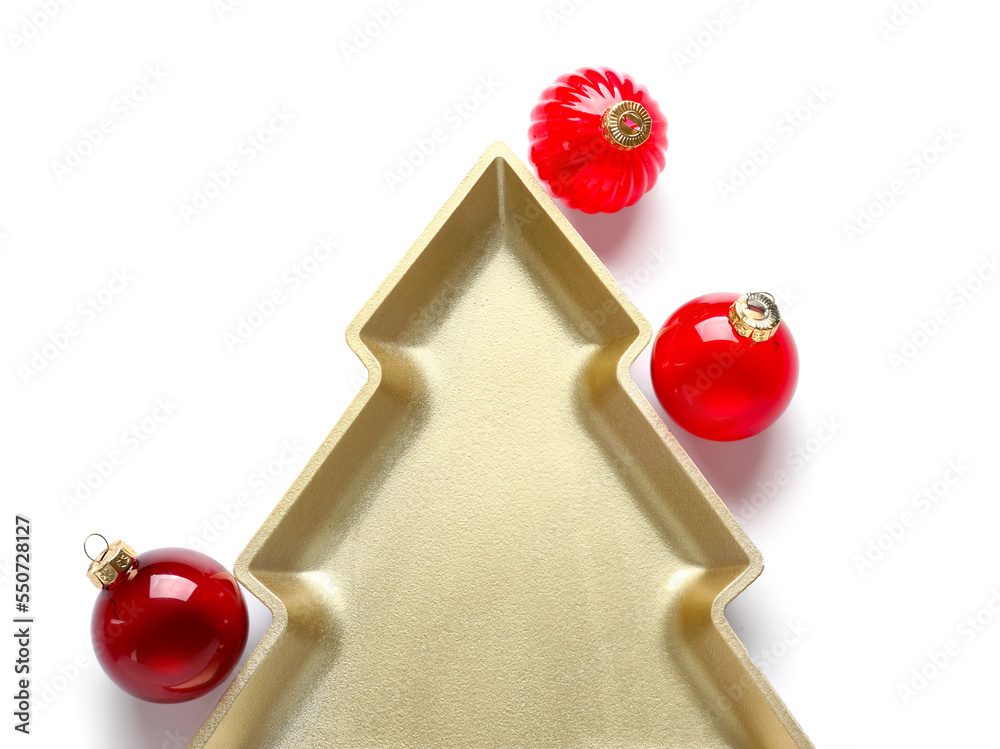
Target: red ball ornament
pixel 724 367
pixel 169 627
pixel 598 140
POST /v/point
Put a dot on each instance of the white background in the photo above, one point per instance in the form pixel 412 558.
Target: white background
pixel 882 407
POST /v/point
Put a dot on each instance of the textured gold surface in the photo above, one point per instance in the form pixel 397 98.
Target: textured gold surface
pixel 499 544
pixel 755 315
pixel 114 561
pixel 619 133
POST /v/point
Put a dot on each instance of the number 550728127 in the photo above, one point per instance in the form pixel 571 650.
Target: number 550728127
pixel 22 564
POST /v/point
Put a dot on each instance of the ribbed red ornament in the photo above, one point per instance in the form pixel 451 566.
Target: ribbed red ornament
pixel 597 140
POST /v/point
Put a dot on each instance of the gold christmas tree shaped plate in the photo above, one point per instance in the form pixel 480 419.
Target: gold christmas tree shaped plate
pixel 499 544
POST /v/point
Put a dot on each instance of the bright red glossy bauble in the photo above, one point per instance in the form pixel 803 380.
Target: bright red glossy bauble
pixel 585 164
pixel 715 383
pixel 175 630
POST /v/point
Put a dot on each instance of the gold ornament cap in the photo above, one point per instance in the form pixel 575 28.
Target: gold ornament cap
pixel 755 315
pixel 116 561
pixel 626 125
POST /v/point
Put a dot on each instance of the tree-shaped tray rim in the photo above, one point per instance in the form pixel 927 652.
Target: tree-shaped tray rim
pixel 748 696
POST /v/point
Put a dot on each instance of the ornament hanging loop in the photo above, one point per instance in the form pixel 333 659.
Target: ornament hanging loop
pixel 755 316
pixel 106 546
pixel 117 562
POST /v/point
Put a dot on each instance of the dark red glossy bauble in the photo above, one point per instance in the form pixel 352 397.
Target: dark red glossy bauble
pixel 597 140
pixel 715 382
pixel 172 628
